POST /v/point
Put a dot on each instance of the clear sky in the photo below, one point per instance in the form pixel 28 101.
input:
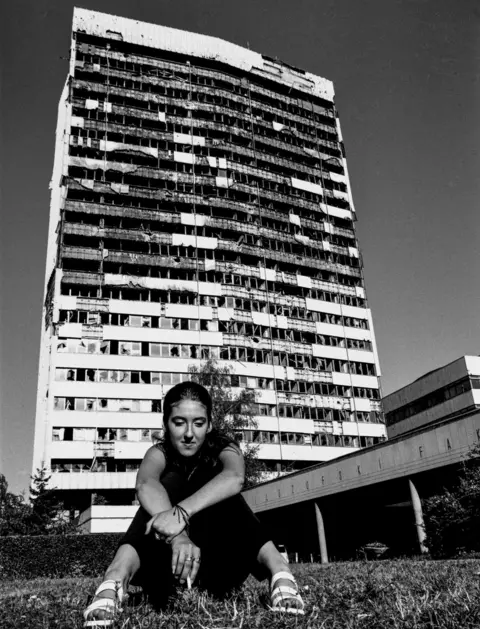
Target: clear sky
pixel 406 75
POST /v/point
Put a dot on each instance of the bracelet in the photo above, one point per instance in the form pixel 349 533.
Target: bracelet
pixel 181 512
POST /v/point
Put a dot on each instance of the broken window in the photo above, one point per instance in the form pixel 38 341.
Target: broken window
pixel 93 318
pixel 124 348
pixel 102 434
pixel 57 434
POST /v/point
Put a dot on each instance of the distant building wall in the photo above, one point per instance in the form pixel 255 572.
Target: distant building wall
pixel 106 519
pixel 447 391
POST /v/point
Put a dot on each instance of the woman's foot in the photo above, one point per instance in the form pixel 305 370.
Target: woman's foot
pixel 106 603
pixel 284 593
pixel 283 587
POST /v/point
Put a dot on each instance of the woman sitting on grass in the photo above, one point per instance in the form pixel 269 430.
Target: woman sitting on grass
pixel 193 524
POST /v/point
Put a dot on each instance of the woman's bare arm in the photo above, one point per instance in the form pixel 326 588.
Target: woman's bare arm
pixel 150 491
pixel 228 482
pixel 154 499
pixel 225 484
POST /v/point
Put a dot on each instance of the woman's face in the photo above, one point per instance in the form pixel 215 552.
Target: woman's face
pixel 188 426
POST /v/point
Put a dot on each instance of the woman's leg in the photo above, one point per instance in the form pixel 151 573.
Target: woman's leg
pixel 269 557
pixel 141 557
pixel 154 575
pixel 230 537
pixel 123 567
pixel 235 544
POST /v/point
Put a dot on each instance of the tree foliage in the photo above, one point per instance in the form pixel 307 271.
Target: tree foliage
pixel 48 511
pixel 15 513
pixel 43 515
pixel 452 518
pixel 231 413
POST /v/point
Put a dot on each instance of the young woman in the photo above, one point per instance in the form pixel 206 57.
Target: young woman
pixel 193 525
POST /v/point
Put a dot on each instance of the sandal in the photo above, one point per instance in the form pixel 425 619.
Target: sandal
pixel 105 604
pixel 283 593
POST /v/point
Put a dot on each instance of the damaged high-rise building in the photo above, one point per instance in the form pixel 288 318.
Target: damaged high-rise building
pixel 200 208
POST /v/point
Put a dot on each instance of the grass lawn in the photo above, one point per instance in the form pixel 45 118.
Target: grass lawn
pixel 384 594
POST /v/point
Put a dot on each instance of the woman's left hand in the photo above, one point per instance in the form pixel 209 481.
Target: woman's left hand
pixel 166 525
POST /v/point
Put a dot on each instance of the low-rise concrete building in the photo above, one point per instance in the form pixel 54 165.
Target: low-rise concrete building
pixel 449 391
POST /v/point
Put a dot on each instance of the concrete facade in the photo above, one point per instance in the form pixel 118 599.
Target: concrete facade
pixel 200 208
pixel 450 390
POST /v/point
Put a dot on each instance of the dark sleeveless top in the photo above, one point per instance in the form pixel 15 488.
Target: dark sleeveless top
pixel 193 473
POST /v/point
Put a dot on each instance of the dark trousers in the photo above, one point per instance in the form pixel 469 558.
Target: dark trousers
pixel 228 534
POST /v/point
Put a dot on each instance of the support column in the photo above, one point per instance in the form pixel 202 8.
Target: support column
pixel 417 510
pixel 321 534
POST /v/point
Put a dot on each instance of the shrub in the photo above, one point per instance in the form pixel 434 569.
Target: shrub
pixel 452 518
pixel 56 556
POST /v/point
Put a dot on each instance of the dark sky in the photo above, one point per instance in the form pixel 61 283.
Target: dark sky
pixel 407 89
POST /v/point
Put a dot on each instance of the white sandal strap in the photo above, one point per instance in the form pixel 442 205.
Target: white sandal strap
pixel 283 593
pixel 105 604
pixel 279 591
pixel 278 603
pixel 116 586
pixel 282 575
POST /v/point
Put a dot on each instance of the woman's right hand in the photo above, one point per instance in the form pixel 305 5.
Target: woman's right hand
pixel 185 558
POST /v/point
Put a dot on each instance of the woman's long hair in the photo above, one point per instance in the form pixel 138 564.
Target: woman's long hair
pixel 215 440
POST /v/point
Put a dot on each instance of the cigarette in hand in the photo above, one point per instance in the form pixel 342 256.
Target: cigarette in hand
pixel 189 582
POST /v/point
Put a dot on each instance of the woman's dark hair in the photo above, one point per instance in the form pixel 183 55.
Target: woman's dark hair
pixel 215 441
pixel 186 391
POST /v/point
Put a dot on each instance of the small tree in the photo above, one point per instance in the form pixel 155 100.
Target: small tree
pixel 15 513
pixel 48 512
pixel 452 518
pixel 231 413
